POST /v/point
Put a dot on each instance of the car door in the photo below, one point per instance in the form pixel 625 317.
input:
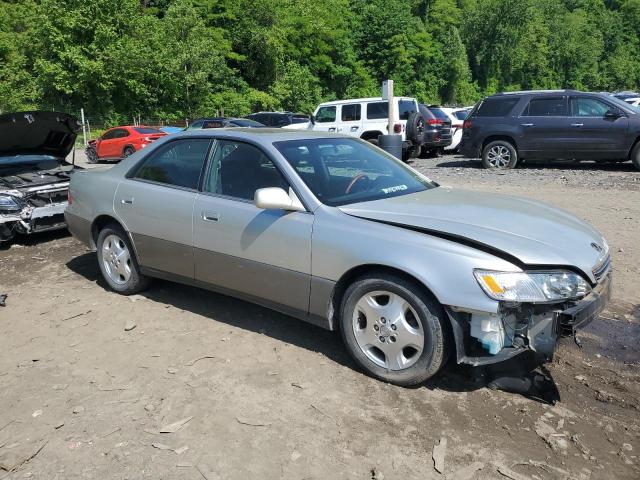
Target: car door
pixel 599 129
pixel 155 204
pixel 262 254
pixel 543 128
pixel 326 119
pixel 105 143
pixel 351 119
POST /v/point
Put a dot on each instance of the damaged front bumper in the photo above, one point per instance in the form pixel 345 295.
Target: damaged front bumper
pixel 40 209
pixel 486 338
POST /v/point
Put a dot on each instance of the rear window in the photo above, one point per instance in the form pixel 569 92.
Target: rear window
pixel 439 113
pixel 461 114
pixel 546 107
pixel 377 110
pixel 496 107
pixel 146 131
pixel 406 108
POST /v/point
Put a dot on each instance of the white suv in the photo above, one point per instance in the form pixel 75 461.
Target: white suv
pixel 367 118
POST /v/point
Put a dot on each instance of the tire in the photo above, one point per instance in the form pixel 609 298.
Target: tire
pixel 635 156
pixel 429 153
pixel 92 155
pixel 499 155
pixel 373 141
pixel 125 277
pixel 419 319
pixel 127 152
pixel 416 125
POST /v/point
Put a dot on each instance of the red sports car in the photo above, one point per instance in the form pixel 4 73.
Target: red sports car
pixel 120 142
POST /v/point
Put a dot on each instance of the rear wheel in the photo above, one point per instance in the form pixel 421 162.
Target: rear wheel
pixel 499 155
pixel 117 261
pixel 635 156
pixel 393 330
pixel 92 155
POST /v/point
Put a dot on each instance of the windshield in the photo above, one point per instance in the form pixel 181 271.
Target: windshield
pixel 247 123
pixel 344 171
pixel 626 107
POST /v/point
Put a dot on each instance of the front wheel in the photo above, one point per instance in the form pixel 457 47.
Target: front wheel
pixel 128 151
pixel 635 156
pixel 499 155
pixel 118 263
pixel 393 330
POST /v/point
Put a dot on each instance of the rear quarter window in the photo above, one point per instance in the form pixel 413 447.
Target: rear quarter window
pixel 496 107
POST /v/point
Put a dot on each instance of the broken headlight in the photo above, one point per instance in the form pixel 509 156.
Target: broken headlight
pixel 8 204
pixel 532 286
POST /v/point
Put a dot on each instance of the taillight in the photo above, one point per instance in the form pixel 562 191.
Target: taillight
pixel 434 121
pixel 397 128
pixel 467 124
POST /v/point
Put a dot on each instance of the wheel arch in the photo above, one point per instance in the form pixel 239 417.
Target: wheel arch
pixel 99 223
pixel 370 134
pixel 633 145
pixel 128 145
pixel 493 138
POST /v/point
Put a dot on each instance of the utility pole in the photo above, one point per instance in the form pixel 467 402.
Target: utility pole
pixel 84 130
pixel 391 142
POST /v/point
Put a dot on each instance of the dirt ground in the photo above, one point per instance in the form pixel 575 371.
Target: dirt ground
pixel 247 393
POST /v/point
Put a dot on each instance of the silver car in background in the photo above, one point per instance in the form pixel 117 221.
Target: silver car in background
pixel 334 231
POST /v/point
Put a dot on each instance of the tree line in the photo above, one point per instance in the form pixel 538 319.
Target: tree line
pixel 176 59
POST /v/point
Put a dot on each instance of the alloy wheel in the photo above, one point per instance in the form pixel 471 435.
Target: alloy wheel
pixel 116 259
pixel 387 330
pixel 499 156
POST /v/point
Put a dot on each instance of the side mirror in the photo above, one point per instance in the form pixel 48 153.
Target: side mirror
pixel 275 198
pixel 612 113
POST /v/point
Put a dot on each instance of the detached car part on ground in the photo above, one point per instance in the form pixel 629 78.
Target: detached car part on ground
pixel 34 175
pixel 336 232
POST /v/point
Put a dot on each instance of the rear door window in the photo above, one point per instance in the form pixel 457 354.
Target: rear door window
pixel 546 107
pixel 496 107
pixel 177 163
pixel 350 113
pixel 326 115
pixel 377 110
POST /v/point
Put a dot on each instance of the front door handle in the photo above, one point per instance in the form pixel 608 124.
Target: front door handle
pixel 577 125
pixel 354 129
pixel 210 217
pixel 527 124
pixel 332 129
pixel 127 201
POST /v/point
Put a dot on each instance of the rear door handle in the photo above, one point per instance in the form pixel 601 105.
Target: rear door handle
pixel 210 217
pixel 577 124
pixel 127 201
pixel 527 124
pixel 354 129
pixel 332 129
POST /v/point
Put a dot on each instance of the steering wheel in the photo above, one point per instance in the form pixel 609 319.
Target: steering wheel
pixel 355 180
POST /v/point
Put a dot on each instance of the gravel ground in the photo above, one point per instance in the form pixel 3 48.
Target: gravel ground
pixel 248 393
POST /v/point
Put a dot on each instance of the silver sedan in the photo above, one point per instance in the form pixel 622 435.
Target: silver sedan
pixel 334 231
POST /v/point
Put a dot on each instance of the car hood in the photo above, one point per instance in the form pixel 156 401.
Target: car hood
pixel 37 133
pixel 531 232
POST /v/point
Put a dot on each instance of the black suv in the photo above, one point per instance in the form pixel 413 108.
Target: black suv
pixel 506 128
pixel 279 119
pixel 437 130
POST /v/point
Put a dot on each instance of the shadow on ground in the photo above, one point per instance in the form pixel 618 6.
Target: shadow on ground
pixel 453 378
pixel 463 162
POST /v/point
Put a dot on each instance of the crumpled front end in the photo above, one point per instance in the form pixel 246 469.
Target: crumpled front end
pixel 484 338
pixel 31 210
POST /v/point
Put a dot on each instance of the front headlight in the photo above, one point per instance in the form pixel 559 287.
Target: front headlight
pixel 532 286
pixel 8 204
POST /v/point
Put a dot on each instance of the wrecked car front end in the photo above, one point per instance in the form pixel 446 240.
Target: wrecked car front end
pixel 484 338
pixel 34 175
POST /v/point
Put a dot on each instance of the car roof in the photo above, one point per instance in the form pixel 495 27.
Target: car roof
pixel 538 92
pixel 361 100
pixel 260 134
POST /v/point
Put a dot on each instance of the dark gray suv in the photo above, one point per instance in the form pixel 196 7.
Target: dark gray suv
pixel 506 128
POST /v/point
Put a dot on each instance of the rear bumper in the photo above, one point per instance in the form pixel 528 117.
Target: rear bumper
pixel 80 228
